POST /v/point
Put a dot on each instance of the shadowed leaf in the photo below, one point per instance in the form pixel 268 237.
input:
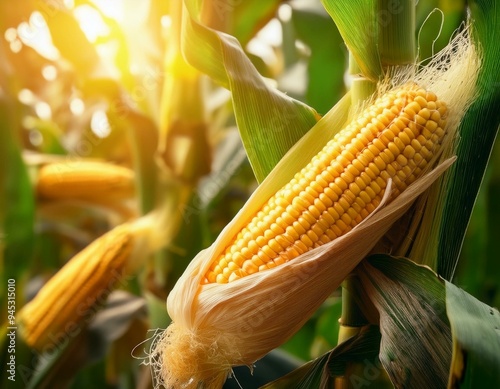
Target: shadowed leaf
pixel 307 376
pixel 415 348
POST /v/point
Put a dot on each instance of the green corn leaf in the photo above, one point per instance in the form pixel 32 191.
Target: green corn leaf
pixel 249 16
pixel 307 376
pixel 478 131
pixel 476 341
pixel 415 348
pixel 478 270
pixel 379 34
pixel 362 348
pixel 432 331
pixel 16 358
pixel 269 121
pixel 271 367
pixel 17 208
pixel 357 23
pixel 357 360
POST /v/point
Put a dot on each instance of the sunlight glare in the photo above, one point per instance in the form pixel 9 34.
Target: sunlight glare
pixel 16 46
pixel 271 33
pixel 121 27
pixel 10 34
pixel 113 9
pixel 14 42
pixel 285 13
pixel 166 21
pixel 36 34
pixel 26 96
pixel 49 72
pixel 262 45
pixel 43 110
pixel 77 106
pixel 91 23
pixel 99 124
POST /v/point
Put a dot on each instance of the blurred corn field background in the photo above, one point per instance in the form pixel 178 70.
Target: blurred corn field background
pixel 128 142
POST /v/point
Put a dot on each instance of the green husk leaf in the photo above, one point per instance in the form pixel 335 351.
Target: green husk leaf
pixel 269 121
pixel 476 341
pixel 308 146
pixel 357 23
pixel 478 131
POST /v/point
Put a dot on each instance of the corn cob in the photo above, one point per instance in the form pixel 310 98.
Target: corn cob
pixel 84 180
pixel 395 138
pixel 65 301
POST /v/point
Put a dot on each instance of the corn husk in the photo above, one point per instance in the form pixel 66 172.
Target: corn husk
pixel 217 326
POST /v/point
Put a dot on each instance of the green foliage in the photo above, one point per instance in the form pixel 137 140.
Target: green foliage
pixel 327 60
pixel 475 145
pixel 16 205
pixel 474 327
pixel 269 122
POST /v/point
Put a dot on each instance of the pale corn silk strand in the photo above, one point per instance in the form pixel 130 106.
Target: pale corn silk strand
pixel 217 326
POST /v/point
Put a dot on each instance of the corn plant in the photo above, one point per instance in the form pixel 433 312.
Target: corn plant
pixel 302 212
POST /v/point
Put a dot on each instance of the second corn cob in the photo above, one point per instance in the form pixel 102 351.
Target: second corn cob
pixel 393 139
pixel 85 180
pixel 65 301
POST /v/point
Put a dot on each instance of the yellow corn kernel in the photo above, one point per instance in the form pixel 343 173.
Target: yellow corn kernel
pixel 395 139
pixel 84 180
pixel 65 302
